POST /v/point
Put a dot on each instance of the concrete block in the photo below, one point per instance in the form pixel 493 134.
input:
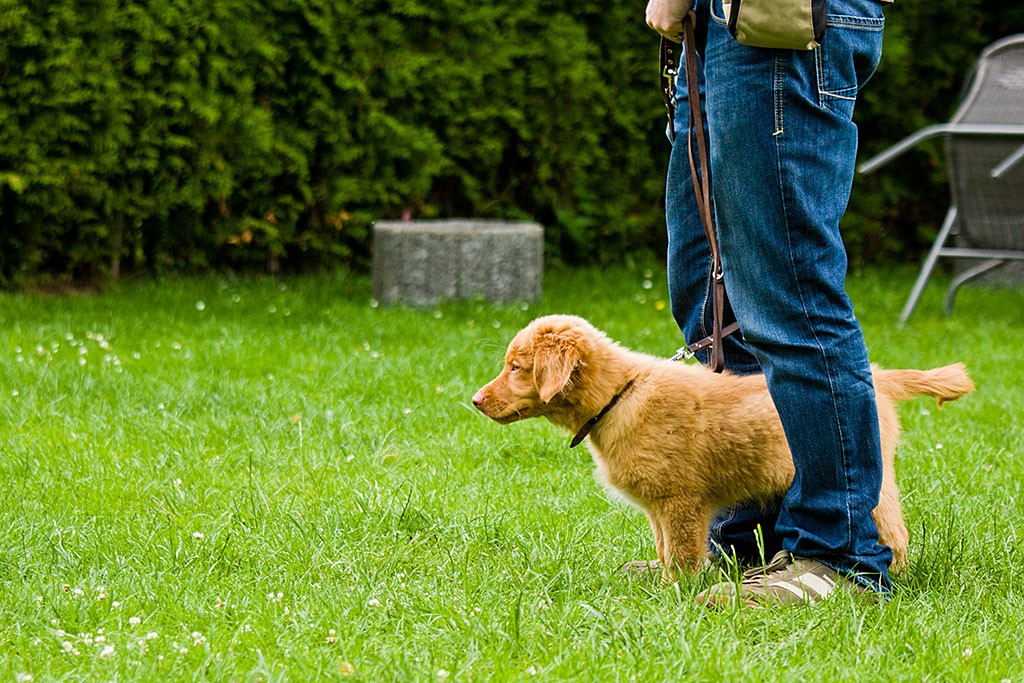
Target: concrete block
pixel 420 263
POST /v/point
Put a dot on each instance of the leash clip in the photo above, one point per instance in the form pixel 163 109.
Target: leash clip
pixel 683 353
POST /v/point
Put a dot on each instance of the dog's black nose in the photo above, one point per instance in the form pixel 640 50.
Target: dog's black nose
pixel 478 399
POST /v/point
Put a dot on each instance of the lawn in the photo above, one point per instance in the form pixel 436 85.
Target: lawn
pixel 274 479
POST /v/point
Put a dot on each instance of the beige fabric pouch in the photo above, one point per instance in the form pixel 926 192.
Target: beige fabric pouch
pixel 782 24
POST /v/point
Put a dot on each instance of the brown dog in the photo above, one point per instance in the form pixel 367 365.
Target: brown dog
pixel 679 441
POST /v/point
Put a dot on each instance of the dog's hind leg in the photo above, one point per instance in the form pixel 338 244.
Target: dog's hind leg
pixel 888 516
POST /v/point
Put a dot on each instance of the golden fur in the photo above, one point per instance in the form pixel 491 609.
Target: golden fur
pixel 682 442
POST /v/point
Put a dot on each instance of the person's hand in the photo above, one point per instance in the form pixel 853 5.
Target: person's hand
pixel 666 17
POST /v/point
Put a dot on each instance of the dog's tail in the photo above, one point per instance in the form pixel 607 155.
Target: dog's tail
pixel 945 384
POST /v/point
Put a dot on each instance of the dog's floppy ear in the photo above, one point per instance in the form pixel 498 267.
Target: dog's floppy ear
pixel 554 358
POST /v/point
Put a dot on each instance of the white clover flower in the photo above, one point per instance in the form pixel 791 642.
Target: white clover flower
pixel 108 651
pixel 134 621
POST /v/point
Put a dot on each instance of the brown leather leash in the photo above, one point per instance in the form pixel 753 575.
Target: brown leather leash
pixel 700 174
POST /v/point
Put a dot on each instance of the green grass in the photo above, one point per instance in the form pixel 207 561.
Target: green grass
pixel 261 479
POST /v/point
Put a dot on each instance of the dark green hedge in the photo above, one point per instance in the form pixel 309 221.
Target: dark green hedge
pixel 180 134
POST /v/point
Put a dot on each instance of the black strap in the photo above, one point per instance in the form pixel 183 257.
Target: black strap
pixel 585 429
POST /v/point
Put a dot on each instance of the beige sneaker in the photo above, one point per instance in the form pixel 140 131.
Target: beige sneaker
pixel 786 580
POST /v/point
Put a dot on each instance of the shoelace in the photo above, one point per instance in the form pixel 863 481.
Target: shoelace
pixel 778 563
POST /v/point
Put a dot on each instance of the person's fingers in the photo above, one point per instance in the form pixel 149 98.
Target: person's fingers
pixel 666 17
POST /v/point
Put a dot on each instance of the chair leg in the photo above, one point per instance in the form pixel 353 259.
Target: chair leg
pixel 929 264
pixel 969 274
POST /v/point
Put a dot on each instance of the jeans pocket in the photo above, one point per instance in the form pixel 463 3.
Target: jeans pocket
pixel 847 58
pixel 717 12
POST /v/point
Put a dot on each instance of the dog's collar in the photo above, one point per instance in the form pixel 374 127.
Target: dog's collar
pixel 585 429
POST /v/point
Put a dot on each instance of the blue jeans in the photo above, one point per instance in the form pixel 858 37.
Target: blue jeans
pixel 783 149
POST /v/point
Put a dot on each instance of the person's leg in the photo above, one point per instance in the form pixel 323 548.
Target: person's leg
pixel 748 531
pixel 782 158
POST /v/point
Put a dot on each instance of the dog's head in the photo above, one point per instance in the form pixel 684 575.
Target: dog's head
pixel 541 364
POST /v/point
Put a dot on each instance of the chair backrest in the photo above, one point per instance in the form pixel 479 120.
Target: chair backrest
pixel 990 210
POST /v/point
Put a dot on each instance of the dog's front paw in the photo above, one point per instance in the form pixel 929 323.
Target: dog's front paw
pixel 642 568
